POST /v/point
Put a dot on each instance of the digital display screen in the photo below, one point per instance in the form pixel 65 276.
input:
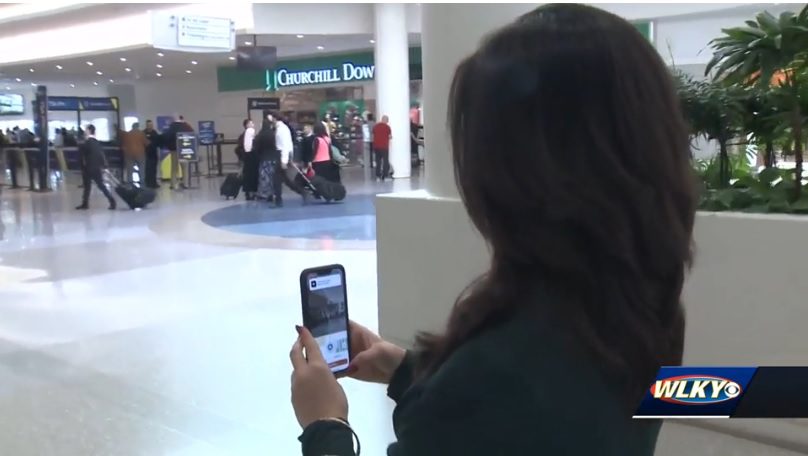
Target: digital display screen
pixel 11 104
pixel 326 316
pixel 256 57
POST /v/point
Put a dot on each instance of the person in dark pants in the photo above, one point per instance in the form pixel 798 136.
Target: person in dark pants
pixel 152 155
pixel 267 157
pixel 284 171
pixel 93 163
pixel 381 147
pixel 551 350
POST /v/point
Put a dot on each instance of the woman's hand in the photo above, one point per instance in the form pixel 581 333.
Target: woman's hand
pixel 315 392
pixel 372 359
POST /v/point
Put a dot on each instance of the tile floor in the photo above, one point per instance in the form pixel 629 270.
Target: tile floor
pixel 166 331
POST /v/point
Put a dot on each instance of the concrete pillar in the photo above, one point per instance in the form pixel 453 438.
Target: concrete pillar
pixel 391 54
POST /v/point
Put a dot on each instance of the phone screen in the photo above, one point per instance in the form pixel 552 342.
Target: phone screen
pixel 325 313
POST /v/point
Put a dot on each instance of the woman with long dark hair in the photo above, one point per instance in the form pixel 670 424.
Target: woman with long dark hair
pixel 572 159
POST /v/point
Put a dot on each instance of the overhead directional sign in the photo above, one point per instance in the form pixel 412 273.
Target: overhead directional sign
pixel 204 32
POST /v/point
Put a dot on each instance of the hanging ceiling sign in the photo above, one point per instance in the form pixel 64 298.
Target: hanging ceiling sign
pixel 204 32
pixel 176 32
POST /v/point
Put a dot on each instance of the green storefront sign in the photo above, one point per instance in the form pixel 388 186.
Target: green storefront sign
pixel 330 69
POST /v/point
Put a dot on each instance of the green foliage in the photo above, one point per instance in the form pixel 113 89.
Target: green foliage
pixel 755 53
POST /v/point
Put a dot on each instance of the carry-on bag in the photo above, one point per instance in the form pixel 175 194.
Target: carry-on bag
pixel 231 186
pixel 134 197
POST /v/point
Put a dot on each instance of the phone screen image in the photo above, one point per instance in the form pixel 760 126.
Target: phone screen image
pixel 325 313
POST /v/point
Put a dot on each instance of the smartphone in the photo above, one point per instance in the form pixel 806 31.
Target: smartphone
pixel 325 313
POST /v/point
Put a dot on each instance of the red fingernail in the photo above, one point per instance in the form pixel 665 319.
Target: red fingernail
pixel 298 328
pixel 352 368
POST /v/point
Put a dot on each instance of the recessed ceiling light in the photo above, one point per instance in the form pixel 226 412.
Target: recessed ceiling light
pixel 160 54
pixel 95 83
pixel 18 80
pixel 33 84
pixel 72 86
pixel 123 59
pixel 232 58
pixel 112 81
pixel 320 48
pixel 99 72
pixel 300 36
pixel 30 70
pixel 8 88
pixel 89 63
pixel 59 67
pixel 159 66
pixel 127 70
pixel 194 62
pixel 248 43
pixel 159 75
pixel 372 41
pixel 188 71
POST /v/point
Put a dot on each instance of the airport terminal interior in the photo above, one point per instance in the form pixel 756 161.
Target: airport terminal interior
pixel 166 329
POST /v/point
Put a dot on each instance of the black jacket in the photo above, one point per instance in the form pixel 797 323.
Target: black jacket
pixel 264 144
pixel 92 156
pixel 155 141
pixel 526 387
pixel 169 138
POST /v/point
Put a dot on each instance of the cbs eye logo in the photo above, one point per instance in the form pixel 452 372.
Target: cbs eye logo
pixel 732 390
pixel 313 284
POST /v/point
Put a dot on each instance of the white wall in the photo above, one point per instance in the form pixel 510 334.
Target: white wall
pixel 195 98
pixel 323 18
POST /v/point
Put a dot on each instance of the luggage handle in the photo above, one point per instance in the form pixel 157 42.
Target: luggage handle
pixel 302 174
pixel 111 177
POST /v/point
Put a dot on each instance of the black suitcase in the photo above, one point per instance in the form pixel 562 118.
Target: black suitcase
pixel 134 197
pixel 231 186
pixel 329 191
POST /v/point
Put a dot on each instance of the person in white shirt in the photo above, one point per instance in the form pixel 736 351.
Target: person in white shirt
pixel 249 160
pixel 284 174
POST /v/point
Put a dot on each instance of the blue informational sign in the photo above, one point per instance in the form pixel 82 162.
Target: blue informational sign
pixel 163 122
pixel 63 104
pixel 207 132
pixel 98 104
pixel 82 104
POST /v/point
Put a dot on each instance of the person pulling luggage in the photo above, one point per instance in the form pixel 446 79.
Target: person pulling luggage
pixel 283 173
pixel 93 163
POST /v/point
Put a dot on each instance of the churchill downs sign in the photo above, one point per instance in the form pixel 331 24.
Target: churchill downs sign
pixel 346 72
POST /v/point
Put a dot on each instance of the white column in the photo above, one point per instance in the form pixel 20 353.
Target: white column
pixel 391 55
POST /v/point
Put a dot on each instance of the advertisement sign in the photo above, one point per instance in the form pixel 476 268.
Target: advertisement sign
pixel 11 104
pixel 186 146
pixel 207 132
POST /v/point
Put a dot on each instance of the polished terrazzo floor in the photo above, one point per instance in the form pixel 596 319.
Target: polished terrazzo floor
pixel 167 331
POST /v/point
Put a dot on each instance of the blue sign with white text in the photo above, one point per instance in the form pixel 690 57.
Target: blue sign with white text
pixel 207 132
pixel 63 104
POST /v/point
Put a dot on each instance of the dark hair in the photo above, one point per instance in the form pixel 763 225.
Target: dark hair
pixel 90 129
pixel 572 159
pixel 319 129
pixel 244 124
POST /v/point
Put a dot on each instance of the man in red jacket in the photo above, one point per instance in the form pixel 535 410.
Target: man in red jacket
pixel 381 147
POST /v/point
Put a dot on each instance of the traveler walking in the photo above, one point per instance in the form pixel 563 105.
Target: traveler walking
pixel 249 159
pixel 268 158
pixel 134 144
pixel 322 163
pixel 93 163
pixel 285 148
pixel 152 155
pixel 381 147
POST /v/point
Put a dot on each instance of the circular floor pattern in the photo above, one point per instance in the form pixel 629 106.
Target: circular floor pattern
pixel 352 219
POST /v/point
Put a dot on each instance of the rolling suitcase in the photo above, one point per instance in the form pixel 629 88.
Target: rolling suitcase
pixel 329 191
pixel 231 186
pixel 134 197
